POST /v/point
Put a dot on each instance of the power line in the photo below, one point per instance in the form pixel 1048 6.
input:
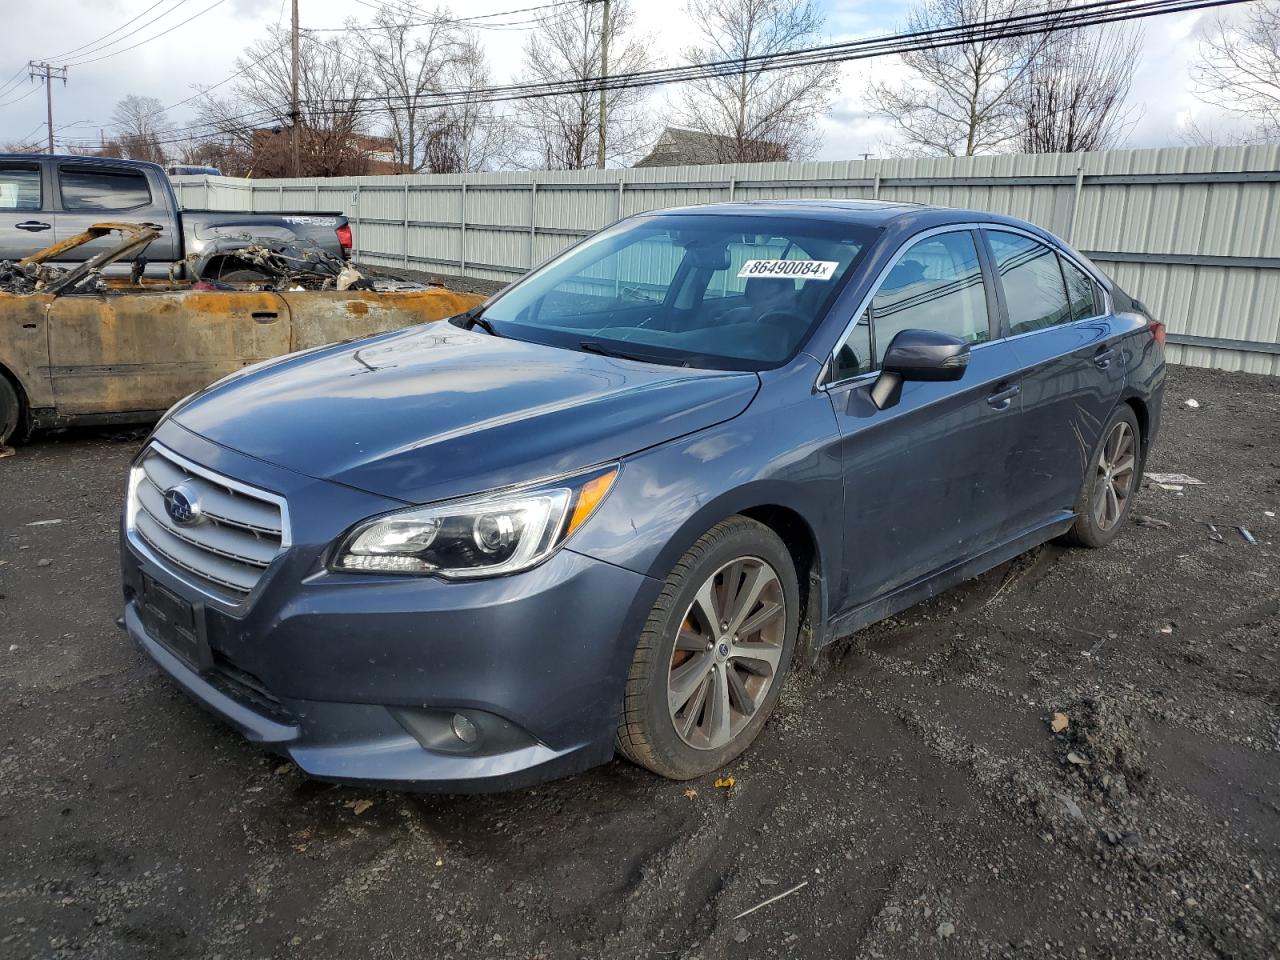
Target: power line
pixel 1099 12
pixel 162 33
pixel 97 44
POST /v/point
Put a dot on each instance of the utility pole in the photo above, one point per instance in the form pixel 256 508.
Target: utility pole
pixel 295 114
pixel 47 73
pixel 604 72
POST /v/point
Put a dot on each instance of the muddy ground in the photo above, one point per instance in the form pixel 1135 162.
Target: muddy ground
pixel 912 783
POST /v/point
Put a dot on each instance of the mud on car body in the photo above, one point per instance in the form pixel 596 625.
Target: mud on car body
pixel 609 509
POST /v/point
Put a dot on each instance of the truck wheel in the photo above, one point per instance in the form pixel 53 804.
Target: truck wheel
pixel 11 415
pixel 710 663
pixel 242 276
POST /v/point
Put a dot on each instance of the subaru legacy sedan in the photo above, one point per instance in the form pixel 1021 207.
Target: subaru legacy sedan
pixel 610 509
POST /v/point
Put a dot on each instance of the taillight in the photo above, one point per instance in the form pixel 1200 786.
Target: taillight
pixel 344 238
pixel 1157 331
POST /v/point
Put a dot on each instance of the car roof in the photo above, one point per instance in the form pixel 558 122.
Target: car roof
pixel 79 159
pixel 873 213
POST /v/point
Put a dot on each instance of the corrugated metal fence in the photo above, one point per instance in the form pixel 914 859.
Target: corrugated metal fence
pixel 1194 232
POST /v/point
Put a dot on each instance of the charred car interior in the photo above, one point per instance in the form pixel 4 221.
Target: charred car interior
pixel 81 342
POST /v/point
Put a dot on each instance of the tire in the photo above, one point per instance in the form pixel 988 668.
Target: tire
pixel 242 275
pixel 12 419
pixel 719 689
pixel 1115 470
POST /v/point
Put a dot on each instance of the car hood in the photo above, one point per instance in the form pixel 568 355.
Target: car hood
pixel 435 411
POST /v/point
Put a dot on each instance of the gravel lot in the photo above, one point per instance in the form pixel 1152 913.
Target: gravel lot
pixel 912 782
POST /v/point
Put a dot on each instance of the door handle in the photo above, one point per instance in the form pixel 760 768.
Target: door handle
pixel 266 316
pixel 33 226
pixel 1002 398
pixel 1104 357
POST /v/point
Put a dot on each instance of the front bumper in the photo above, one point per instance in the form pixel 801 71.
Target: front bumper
pixel 324 667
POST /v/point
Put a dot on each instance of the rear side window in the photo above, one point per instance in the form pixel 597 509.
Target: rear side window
pixel 93 189
pixel 20 186
pixel 1034 292
pixel 1082 293
pixel 935 285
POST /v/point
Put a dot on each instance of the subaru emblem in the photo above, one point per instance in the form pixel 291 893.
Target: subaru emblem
pixel 182 505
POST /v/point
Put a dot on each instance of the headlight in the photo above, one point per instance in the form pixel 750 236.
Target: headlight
pixel 483 536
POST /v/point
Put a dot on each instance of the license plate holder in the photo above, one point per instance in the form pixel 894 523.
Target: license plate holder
pixel 175 623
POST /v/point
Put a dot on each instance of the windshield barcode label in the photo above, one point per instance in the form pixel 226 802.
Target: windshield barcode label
pixel 790 269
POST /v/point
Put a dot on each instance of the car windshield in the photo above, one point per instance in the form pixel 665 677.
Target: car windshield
pixel 705 290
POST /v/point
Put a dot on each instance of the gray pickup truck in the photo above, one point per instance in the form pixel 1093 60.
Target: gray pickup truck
pixel 44 199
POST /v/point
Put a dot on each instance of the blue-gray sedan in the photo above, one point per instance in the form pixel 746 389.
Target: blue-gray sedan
pixel 608 510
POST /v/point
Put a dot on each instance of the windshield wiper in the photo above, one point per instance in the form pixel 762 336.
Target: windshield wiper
pixel 608 350
pixel 474 318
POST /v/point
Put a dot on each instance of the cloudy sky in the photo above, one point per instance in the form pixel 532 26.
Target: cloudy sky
pixel 203 52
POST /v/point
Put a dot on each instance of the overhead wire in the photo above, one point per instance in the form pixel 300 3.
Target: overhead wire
pixel 1096 13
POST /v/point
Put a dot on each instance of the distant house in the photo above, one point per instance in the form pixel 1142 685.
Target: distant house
pixel 332 153
pixel 679 147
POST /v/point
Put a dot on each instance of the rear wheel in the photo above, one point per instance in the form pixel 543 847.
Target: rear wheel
pixel 710 663
pixel 1111 482
pixel 11 416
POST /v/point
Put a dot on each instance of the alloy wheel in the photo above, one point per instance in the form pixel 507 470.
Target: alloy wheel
pixel 1115 477
pixel 726 653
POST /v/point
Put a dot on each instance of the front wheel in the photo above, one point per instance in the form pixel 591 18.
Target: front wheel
pixel 1110 484
pixel 11 419
pixel 710 663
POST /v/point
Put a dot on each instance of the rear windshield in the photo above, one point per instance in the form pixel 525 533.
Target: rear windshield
pixel 728 292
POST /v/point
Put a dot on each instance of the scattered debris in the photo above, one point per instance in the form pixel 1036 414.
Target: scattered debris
pixel 43 523
pixel 1192 403
pixel 774 899
pixel 6 451
pixel 1077 759
pixel 1172 487
pixel 44 562
pixel 946 929
pixel 360 806
pixel 741 935
pixel 690 793
pixel 1153 522
pixel 725 783
pixel 1174 478
pixel 1072 808
pixel 1249 538
pixel 1265 513
pixel 1167 628
pixel 1059 723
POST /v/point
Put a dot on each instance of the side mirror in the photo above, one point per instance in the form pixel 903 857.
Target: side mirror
pixel 925 355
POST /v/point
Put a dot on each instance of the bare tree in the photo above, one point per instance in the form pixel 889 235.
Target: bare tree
pixel 140 126
pixel 252 123
pixel 469 133
pixel 756 115
pixel 959 100
pixel 1239 69
pixel 561 132
pixel 1075 89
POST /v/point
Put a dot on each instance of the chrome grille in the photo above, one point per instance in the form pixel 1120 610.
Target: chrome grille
pixel 238 532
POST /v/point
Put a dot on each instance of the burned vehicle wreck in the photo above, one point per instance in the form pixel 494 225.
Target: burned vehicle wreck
pixel 79 344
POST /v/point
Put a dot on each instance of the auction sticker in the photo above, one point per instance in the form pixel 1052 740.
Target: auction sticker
pixel 790 269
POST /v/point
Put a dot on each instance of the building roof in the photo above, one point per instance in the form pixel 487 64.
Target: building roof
pixel 680 147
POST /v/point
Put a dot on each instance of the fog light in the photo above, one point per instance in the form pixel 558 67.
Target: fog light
pixel 464 729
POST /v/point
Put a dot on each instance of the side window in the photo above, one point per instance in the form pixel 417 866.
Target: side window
pixel 854 355
pixel 20 186
pixel 1082 293
pixel 935 285
pixel 94 189
pixel 1033 288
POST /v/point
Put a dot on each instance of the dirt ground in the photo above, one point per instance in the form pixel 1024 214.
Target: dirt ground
pixel 912 783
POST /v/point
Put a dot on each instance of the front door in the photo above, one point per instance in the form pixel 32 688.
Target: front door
pixel 925 479
pixel 1071 370
pixel 140 352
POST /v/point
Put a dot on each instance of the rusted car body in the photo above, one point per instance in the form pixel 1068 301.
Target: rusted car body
pixel 81 347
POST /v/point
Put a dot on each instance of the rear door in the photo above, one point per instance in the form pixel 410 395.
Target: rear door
pixel 26 225
pixel 90 193
pixel 138 352
pixel 1065 341
pixel 925 479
